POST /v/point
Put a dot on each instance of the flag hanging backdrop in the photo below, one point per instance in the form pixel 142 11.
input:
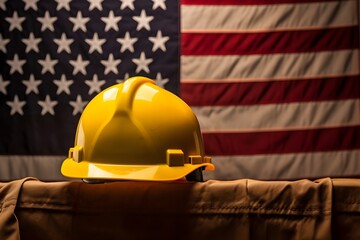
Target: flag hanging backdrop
pixel 274 84
pixel 55 55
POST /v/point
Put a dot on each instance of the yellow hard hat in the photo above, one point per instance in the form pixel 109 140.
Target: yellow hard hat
pixel 136 130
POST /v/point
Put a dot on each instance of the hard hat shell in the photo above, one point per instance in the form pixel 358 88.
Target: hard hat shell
pixel 136 130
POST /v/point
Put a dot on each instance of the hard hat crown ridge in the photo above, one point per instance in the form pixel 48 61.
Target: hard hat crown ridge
pixel 128 93
pixel 136 130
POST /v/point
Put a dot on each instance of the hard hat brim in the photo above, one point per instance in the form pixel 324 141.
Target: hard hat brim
pixel 87 170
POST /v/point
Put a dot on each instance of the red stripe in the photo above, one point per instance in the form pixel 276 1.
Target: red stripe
pixel 329 139
pixel 245 2
pixel 270 42
pixel 251 93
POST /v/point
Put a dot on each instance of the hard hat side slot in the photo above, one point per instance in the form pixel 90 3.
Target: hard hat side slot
pixel 175 157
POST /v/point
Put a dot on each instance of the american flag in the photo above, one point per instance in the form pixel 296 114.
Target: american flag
pixel 274 84
pixel 55 55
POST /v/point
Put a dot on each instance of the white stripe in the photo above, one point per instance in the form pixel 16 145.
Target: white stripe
pixel 46 168
pixel 286 166
pixel 270 67
pixel 268 17
pixel 306 115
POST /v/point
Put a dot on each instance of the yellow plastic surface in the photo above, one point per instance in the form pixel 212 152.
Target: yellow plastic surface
pixel 127 131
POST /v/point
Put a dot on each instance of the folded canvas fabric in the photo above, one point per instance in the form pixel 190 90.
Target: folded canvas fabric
pixel 241 209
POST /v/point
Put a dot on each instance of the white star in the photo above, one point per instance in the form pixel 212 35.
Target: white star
pixel 95 84
pixel 79 65
pixel 47 105
pixel 3 42
pixel 126 76
pixel 16 64
pixel 110 64
pixel 3 85
pixel 111 21
pixel 143 20
pixel 63 43
pixel 127 3
pixel 16 106
pixel 95 43
pixel 78 105
pixel 48 64
pixel 159 41
pixel 159 3
pixel 31 43
pixel 63 4
pixel 32 85
pixel 142 63
pixel 31 4
pixel 127 42
pixel 15 21
pixel 95 4
pixel 63 85
pixel 79 22
pixel 160 81
pixel 47 22
pixel 2 4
